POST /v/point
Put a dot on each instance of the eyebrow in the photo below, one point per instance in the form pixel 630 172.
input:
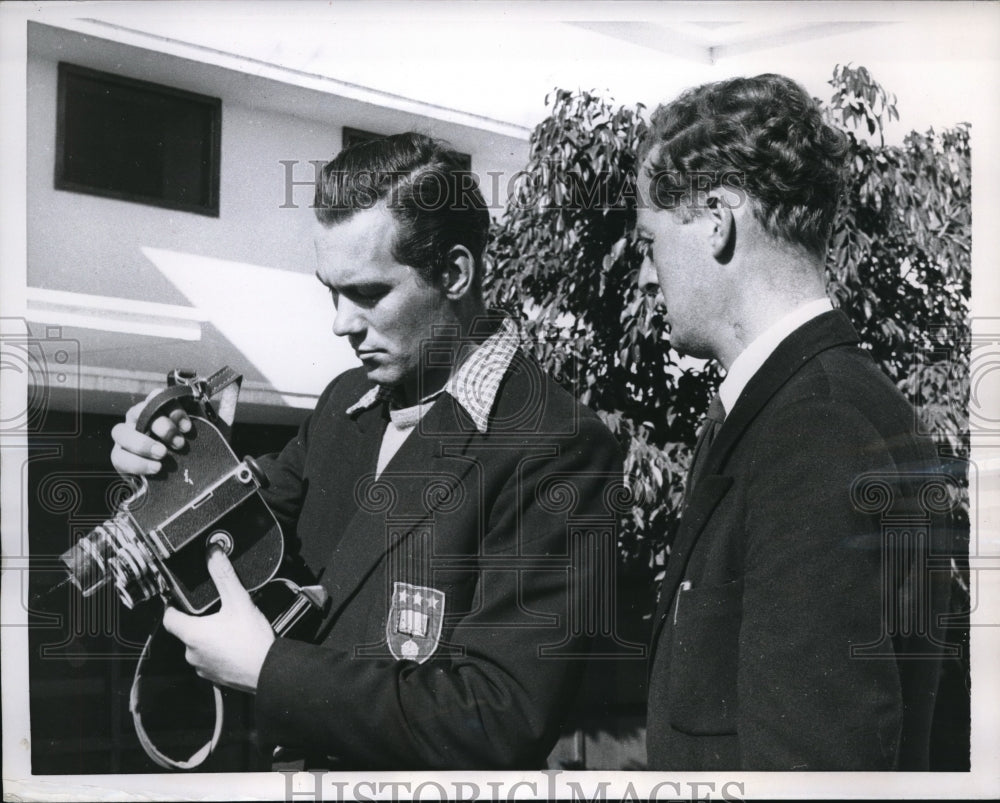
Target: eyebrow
pixel 350 287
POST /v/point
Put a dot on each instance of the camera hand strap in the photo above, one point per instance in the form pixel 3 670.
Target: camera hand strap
pixel 135 708
pixel 222 389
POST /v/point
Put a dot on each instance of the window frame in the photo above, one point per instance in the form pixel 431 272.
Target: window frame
pixel 213 111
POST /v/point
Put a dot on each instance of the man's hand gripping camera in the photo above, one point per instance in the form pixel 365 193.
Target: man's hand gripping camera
pixel 156 543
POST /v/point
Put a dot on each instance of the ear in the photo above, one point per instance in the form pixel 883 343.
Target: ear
pixel 459 272
pixel 722 222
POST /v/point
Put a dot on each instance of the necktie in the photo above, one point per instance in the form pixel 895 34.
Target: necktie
pixel 713 423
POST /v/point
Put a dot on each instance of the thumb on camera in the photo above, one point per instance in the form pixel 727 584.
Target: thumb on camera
pixel 227 582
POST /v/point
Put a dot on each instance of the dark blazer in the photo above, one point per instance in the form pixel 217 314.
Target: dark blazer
pixel 497 523
pixel 796 623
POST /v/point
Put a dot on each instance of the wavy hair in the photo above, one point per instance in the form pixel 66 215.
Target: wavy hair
pixel 437 204
pixel 764 137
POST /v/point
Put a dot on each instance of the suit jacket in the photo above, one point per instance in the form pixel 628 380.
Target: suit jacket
pixel 489 529
pixel 796 626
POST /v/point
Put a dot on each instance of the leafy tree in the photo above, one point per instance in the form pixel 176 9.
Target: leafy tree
pixel 900 254
pixel 564 260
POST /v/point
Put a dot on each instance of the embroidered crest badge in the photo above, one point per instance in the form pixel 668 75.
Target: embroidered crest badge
pixel 413 629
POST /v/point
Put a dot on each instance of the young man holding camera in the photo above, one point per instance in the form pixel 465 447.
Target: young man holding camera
pixel 426 493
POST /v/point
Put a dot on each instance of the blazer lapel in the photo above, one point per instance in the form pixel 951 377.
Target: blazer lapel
pixel 398 493
pixel 826 331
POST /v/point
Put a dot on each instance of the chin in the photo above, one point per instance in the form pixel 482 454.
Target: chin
pixel 690 348
pixel 678 343
pixel 382 374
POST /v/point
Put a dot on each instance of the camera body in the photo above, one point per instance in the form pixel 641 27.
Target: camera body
pixel 155 543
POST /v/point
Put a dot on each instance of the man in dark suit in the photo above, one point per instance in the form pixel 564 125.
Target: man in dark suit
pixel 797 625
pixel 447 495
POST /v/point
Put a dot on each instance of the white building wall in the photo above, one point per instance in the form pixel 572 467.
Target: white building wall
pixel 239 287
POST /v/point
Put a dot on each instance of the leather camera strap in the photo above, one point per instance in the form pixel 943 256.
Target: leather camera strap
pixel 135 706
pixel 223 388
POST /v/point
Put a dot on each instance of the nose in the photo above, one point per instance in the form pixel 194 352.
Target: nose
pixel 648 281
pixel 348 320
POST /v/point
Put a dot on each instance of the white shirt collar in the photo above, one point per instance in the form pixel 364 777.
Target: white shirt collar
pixel 753 356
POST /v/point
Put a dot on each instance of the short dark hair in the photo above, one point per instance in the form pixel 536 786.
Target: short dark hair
pixel 764 135
pixel 435 201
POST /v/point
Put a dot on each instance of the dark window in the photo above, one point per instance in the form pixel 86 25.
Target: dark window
pixel 355 136
pixel 137 141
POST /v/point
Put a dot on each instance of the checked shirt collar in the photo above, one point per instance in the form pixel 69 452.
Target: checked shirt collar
pixel 474 385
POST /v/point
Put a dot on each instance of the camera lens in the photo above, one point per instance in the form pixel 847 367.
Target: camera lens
pixel 112 550
pixel 134 568
pixel 87 561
